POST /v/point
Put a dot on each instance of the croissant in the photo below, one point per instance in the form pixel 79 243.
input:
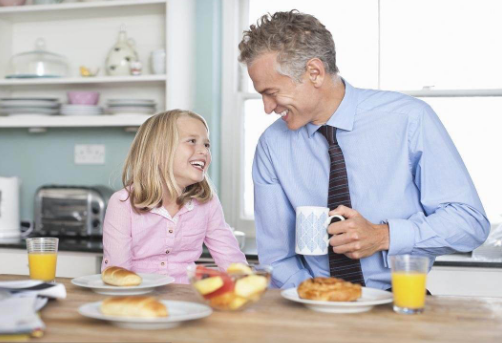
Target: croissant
pixel 139 306
pixel 118 276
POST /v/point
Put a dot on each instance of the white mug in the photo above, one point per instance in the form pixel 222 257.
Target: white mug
pixel 312 229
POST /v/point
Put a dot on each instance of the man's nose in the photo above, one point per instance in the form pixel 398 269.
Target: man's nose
pixel 269 104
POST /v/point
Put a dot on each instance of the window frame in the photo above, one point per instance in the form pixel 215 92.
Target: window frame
pixel 234 95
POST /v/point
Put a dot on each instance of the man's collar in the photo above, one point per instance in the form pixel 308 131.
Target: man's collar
pixel 344 116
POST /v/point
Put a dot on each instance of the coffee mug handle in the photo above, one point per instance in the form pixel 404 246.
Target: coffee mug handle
pixel 333 219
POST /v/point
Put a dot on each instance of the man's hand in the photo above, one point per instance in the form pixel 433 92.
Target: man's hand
pixel 356 237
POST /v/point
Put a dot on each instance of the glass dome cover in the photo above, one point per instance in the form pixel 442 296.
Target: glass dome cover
pixel 37 63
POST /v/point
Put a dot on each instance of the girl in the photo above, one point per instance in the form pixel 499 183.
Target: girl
pixel 167 209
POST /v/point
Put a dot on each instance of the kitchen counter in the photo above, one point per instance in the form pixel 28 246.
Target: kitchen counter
pixel 275 319
pixel 96 246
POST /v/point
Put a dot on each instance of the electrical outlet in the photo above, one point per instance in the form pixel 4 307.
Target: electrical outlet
pixel 89 154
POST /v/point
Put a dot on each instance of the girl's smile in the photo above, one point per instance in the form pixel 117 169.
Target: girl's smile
pixel 192 156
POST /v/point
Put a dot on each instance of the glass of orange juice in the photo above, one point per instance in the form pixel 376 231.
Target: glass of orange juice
pixel 409 274
pixel 42 257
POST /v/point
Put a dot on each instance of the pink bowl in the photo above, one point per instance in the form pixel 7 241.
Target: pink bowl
pixel 12 2
pixel 83 98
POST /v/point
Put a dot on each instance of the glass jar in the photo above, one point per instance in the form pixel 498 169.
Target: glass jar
pixel 39 63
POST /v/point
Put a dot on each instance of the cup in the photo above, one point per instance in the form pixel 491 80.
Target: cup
pixel 158 61
pixel 409 274
pixel 241 239
pixel 83 98
pixel 12 2
pixel 312 229
pixel 42 258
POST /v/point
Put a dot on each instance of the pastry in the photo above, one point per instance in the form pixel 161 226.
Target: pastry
pixel 118 276
pixel 329 289
pixel 139 306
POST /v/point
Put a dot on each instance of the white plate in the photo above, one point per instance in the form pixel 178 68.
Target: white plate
pixel 67 113
pixel 30 110
pixel 80 107
pixel 113 105
pixel 131 101
pixel 150 281
pixel 131 109
pixel 28 103
pixel 29 99
pixel 179 311
pixel 369 298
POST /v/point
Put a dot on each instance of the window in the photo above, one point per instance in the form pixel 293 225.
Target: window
pixel 444 51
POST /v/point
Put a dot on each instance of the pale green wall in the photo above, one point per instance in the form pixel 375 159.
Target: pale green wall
pixel 208 71
pixel 47 158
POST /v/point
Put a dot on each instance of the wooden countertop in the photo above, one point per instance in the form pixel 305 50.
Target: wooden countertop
pixel 274 319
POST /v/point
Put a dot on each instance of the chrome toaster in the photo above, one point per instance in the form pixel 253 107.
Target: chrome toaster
pixel 71 210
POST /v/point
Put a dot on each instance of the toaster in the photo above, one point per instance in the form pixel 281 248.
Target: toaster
pixel 71 210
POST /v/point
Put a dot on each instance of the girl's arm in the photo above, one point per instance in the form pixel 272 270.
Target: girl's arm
pixel 219 239
pixel 117 232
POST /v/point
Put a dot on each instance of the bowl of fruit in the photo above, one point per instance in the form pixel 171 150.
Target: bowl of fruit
pixel 233 289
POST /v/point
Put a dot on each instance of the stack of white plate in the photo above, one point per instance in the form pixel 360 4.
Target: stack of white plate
pixel 131 106
pixel 29 106
pixel 80 110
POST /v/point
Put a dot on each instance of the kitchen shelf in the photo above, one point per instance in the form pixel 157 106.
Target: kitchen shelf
pixel 84 32
pixel 73 121
pixel 108 8
pixel 84 80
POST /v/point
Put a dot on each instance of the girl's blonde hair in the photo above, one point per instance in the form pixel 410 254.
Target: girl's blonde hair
pixel 149 164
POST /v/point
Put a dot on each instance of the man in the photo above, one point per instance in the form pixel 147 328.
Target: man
pixel 408 189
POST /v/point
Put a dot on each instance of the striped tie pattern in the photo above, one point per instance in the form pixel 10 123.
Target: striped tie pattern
pixel 340 266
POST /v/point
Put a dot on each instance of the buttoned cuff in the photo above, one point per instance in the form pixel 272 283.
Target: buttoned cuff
pixel 291 282
pixel 401 236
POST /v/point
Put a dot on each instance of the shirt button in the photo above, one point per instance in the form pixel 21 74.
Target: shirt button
pixel 170 231
pixel 167 251
pixel 106 261
pixel 162 263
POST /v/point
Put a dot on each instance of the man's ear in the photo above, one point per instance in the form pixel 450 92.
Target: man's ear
pixel 316 72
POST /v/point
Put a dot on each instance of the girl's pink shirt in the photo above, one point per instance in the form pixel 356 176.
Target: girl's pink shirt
pixel 154 242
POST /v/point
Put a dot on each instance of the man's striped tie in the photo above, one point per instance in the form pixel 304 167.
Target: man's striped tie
pixel 340 266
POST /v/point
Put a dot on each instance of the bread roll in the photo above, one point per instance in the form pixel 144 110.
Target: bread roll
pixel 140 306
pixel 118 276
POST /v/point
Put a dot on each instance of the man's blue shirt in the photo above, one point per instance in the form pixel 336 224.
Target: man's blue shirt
pixel 402 167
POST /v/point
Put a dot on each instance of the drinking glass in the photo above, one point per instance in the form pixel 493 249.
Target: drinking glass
pixel 42 258
pixel 409 274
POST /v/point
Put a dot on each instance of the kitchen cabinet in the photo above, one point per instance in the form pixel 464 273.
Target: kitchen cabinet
pixel 84 32
pixel 465 281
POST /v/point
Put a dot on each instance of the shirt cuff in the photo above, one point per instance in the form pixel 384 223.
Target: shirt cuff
pixel 293 281
pixel 402 236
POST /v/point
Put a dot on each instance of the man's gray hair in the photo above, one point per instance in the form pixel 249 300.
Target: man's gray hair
pixel 296 37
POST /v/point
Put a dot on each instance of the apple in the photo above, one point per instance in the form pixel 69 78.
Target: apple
pixel 202 272
pixel 237 302
pixel 250 285
pixel 227 301
pixel 239 268
pixel 227 286
pixel 212 288
pixel 208 285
